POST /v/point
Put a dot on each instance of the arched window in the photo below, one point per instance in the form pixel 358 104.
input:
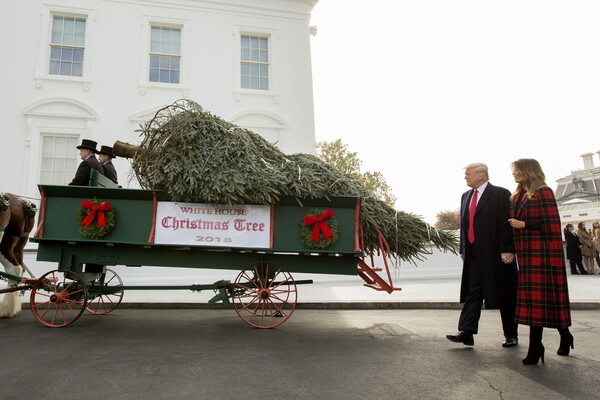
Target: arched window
pixel 55 126
pixel 268 125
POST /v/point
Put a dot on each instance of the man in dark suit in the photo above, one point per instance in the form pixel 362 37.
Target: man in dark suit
pixel 574 250
pixel 106 156
pixel 87 152
pixel 487 249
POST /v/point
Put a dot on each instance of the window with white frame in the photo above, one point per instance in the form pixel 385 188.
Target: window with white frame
pixel 254 62
pixel 67 45
pixel 165 54
pixel 59 159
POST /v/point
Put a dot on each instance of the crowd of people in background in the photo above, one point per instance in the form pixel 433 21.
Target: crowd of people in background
pixel 583 248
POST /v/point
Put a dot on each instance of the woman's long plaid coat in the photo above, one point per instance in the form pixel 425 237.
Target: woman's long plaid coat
pixel 542 294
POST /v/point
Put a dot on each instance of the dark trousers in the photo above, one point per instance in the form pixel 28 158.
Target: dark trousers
pixel 577 264
pixel 471 312
pixel 94 268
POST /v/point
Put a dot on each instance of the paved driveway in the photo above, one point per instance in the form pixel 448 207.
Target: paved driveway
pixel 317 354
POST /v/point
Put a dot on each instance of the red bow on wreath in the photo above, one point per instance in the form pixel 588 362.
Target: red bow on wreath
pixel 96 210
pixel 320 225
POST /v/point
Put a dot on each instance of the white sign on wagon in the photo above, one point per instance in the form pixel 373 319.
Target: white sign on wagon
pixel 213 225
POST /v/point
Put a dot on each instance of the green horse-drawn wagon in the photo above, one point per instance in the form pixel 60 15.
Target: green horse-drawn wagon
pixel 86 229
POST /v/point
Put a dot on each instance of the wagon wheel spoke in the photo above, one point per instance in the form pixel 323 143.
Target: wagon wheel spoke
pixel 104 293
pixel 250 280
pixel 274 308
pixel 257 277
pixel 246 306
pixel 253 312
pixel 244 292
pixel 282 301
pixel 247 287
pixel 45 294
pixel 259 312
pixel 58 311
pixel 261 274
pixel 276 293
pixel 47 307
pixel 51 314
pixel 248 296
pixel 58 298
pixel 278 310
pixel 284 282
pixel 267 298
pixel 101 305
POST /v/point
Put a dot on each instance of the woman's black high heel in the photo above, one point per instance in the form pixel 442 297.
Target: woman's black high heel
pixel 566 344
pixel 534 355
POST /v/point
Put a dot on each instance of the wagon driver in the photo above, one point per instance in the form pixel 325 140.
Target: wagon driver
pixel 106 156
pixel 87 152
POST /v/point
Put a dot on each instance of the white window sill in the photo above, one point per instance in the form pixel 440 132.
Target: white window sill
pixel 237 94
pixel 40 80
pixel 145 87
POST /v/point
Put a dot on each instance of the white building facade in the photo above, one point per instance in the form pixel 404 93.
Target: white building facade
pixel 97 69
pixel 578 194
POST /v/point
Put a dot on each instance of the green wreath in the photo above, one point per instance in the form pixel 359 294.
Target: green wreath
pixel 95 229
pixel 307 230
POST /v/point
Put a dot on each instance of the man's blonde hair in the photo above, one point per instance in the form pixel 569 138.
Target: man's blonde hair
pixel 480 169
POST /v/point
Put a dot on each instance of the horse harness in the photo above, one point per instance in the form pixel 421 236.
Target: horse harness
pixel 9 232
pixel 4 204
pixel 29 209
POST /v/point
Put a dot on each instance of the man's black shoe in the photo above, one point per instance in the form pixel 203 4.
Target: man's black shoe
pixel 510 342
pixel 462 337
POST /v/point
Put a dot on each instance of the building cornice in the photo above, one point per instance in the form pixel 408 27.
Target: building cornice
pixel 244 8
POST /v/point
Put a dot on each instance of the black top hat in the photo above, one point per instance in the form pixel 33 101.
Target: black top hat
pixel 107 150
pixel 88 144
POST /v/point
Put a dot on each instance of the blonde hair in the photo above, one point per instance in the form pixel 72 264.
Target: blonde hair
pixel 533 176
pixel 479 169
pixel 596 231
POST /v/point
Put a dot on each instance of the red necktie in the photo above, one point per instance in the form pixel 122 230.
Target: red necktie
pixel 472 207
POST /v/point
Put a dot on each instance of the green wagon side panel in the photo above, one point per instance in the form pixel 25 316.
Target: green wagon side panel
pixel 289 215
pixel 71 256
pixel 128 244
pixel 132 208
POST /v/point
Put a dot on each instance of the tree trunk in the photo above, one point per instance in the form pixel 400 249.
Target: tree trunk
pixel 122 149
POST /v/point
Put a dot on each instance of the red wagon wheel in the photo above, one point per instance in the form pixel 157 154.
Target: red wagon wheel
pixel 264 295
pixel 58 298
pixel 104 293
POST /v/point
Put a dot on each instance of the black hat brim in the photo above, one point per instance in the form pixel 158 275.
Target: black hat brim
pixel 88 148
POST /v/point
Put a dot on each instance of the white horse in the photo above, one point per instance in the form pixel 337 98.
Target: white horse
pixel 17 217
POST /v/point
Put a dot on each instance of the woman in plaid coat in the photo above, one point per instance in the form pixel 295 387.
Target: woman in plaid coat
pixel 542 294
